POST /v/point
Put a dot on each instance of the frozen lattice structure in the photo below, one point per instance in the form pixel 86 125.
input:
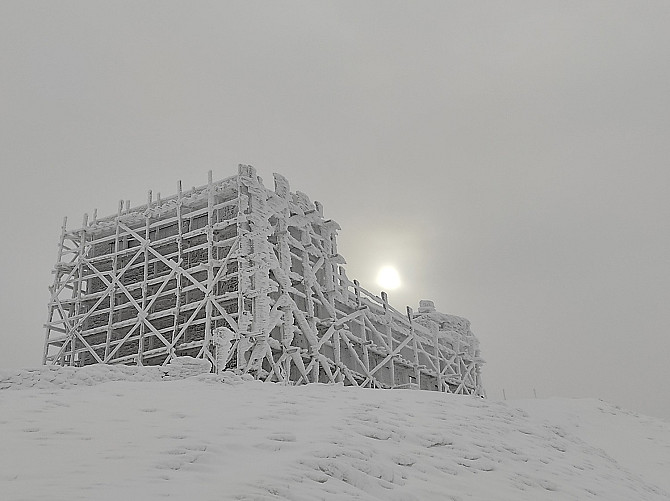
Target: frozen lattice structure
pixel 248 279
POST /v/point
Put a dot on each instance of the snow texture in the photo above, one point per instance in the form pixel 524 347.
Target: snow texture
pixel 117 432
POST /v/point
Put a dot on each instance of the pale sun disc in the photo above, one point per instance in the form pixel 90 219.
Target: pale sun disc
pixel 388 278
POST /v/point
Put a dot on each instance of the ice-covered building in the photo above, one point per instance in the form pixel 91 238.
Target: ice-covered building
pixel 248 278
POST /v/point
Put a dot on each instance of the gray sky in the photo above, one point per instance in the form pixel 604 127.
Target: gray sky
pixel 510 159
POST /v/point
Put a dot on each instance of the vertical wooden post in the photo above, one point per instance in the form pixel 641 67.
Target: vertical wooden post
pixel 417 371
pixel 210 268
pixel 254 280
pixel 389 334
pixel 77 291
pixel 305 240
pixel 478 381
pixel 357 291
pixel 328 234
pixel 114 278
pixel 287 328
pixel 243 279
pixel 178 274
pixel 337 354
pixel 436 351
pixel 363 332
pixel 54 288
pixel 142 316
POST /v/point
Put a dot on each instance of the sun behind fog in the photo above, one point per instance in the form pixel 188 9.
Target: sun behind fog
pixel 388 278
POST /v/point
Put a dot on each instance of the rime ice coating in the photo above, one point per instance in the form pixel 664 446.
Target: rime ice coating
pixel 245 278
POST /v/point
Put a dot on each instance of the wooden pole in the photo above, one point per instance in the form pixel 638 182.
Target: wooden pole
pixel 438 364
pixel 115 269
pixel 361 327
pixel 77 291
pixel 210 269
pixel 142 315
pixel 243 278
pixel 287 328
pixel 178 277
pixel 309 300
pixel 389 335
pixel 412 331
pixel 58 273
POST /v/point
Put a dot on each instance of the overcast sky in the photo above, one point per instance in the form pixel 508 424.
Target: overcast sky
pixel 510 159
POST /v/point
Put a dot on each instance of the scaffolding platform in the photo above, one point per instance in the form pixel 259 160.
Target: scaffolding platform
pixel 250 279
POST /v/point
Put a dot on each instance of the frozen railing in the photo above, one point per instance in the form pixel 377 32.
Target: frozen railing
pixel 435 357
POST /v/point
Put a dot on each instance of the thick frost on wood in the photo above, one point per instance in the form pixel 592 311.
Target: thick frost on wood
pixel 245 278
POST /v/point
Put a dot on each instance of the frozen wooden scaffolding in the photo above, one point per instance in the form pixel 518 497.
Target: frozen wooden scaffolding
pixel 249 279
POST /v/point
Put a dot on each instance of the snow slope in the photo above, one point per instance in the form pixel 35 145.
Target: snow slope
pixel 113 433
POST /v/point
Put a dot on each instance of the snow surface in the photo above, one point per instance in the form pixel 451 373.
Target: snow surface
pixel 115 432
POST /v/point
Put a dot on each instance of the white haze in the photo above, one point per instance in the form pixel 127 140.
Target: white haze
pixel 510 159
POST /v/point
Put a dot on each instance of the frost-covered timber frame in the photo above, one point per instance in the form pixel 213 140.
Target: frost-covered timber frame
pixel 249 279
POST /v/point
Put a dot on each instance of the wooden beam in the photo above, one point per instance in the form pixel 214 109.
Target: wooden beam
pixel 145 246
pixel 210 268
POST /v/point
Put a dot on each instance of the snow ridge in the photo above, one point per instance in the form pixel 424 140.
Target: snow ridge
pixel 104 432
pixel 54 376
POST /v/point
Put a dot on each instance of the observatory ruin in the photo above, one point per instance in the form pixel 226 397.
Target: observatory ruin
pixel 250 279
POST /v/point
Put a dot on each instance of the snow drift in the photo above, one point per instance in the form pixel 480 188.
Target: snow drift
pixel 117 432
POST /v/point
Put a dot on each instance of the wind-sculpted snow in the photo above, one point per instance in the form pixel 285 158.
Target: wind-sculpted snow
pixel 110 433
pixel 50 376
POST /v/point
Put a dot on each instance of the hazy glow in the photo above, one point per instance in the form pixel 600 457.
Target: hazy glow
pixel 388 278
pixel 355 118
